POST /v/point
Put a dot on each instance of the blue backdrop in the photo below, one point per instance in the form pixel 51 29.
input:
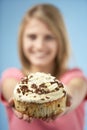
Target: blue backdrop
pixel 11 12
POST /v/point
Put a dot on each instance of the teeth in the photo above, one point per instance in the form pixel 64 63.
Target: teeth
pixel 40 54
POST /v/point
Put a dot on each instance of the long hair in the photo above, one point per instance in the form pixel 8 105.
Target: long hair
pixel 52 17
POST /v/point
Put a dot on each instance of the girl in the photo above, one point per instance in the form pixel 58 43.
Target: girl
pixel 44 47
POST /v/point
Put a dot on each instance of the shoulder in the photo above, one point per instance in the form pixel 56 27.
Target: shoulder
pixel 73 74
pixel 12 73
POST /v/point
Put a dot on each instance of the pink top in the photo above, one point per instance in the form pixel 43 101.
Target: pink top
pixel 71 121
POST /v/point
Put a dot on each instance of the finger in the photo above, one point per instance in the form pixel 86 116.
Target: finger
pixel 18 114
pixel 47 119
pixel 54 117
pixel 68 101
pixel 27 118
pixel 11 102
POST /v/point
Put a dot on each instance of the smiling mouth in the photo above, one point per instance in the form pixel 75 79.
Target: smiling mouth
pixel 40 55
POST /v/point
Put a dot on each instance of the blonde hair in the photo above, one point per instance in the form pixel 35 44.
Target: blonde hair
pixel 50 15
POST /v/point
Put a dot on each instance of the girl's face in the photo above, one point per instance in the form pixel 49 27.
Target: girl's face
pixel 39 44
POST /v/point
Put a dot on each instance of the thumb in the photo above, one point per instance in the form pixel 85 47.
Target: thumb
pixel 11 102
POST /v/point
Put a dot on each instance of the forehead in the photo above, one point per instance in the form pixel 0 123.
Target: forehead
pixel 36 25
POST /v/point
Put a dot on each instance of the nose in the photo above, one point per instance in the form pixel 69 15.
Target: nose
pixel 39 43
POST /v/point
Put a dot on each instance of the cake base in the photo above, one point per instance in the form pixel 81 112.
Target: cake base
pixel 41 110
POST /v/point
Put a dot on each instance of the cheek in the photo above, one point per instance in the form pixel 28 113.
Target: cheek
pixel 26 44
pixel 54 48
pixel 25 48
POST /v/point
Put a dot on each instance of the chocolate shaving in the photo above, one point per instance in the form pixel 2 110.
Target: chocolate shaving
pixel 58 105
pixel 24 89
pixel 19 95
pixel 53 90
pixel 42 99
pixel 41 91
pixel 37 91
pixel 18 90
pixel 60 85
pixel 54 82
pixel 43 85
pixel 24 80
pixel 47 97
pixel 23 92
pixel 57 88
pixel 30 76
pixel 64 92
pixel 34 86
pixel 19 85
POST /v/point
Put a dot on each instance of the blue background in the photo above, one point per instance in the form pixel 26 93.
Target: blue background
pixel 11 12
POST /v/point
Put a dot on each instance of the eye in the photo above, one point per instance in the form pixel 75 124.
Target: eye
pixel 32 36
pixel 49 37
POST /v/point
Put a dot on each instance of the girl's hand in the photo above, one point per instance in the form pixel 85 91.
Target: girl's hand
pixel 19 114
pixel 30 119
pixel 68 100
pixel 68 104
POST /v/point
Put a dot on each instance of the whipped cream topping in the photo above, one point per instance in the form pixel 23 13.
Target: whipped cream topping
pixel 39 88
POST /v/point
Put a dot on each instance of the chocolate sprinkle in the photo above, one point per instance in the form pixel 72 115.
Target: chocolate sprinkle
pixel 24 89
pixel 19 95
pixel 42 99
pixel 34 86
pixel 54 82
pixel 47 97
pixel 24 80
pixel 18 90
pixel 58 105
pixel 60 85
pixel 43 85
pixel 57 88
pixel 64 92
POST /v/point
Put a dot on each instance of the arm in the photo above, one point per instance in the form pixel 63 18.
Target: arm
pixel 77 88
pixel 7 88
pixel 9 79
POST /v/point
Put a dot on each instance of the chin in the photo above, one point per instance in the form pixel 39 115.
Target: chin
pixel 40 64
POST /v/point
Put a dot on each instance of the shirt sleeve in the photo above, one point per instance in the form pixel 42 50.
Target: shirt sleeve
pixel 9 73
pixel 74 73
pixel 12 73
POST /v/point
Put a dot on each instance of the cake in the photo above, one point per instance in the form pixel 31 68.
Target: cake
pixel 40 95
